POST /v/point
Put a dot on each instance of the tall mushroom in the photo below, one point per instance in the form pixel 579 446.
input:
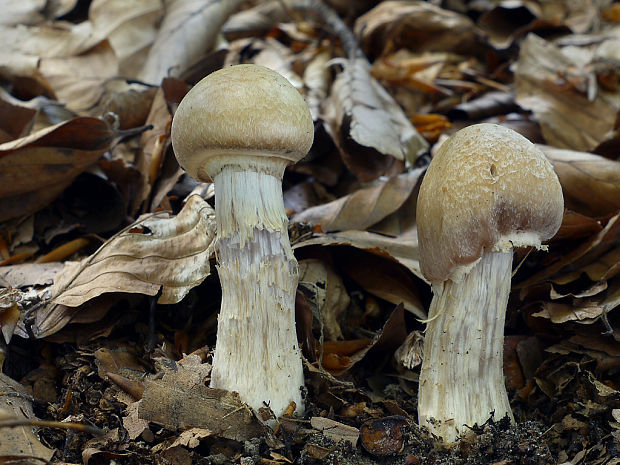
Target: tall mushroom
pixel 240 127
pixel 487 191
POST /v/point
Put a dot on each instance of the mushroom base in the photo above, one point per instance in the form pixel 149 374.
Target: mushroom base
pixel 256 354
pixel 462 380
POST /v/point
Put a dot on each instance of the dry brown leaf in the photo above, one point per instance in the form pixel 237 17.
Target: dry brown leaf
pixel 368 125
pixel 559 86
pixel 329 294
pixel 388 339
pixel 335 431
pixel 29 274
pixel 415 25
pixel 317 79
pixel 10 312
pixel 586 310
pixel 588 251
pixel 362 208
pixel 590 183
pixel 130 27
pixel 78 81
pixel 156 252
pixel 489 104
pixel 59 39
pixel 15 120
pixel 403 250
pixel 383 278
pixel 43 164
pixel 602 268
pixel 25 12
pixel 255 21
pixel 189 29
pixel 181 399
pixel 134 425
pixel 577 226
pixel 19 442
pixel 153 144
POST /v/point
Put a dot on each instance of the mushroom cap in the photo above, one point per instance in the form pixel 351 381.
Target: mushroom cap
pixel 239 114
pixel 487 189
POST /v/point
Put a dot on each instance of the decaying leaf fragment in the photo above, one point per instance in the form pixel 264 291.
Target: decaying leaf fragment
pixel 328 293
pixel 403 250
pixel 19 442
pixel 363 208
pixel 181 399
pixel 415 25
pixel 590 183
pixel 189 29
pixel 157 251
pixel 559 85
pixel 37 168
pixel 363 116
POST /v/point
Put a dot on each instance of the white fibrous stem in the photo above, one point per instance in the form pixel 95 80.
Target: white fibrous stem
pixel 256 351
pixel 462 379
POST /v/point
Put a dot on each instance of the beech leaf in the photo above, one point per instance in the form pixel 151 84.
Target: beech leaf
pixel 362 208
pixel 157 251
pixel 37 168
pixel 360 111
pixel 189 29
pixel 590 183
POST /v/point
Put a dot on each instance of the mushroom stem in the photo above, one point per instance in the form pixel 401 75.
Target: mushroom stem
pixel 257 353
pixel 462 380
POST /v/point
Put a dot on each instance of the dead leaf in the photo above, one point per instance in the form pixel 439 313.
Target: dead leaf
pixel 29 274
pixel 415 25
pixel 389 338
pixel 366 123
pixel 560 89
pixel 364 207
pixel 590 183
pixel 589 250
pixel 15 120
pixel 157 251
pixel 317 79
pixel 10 312
pixel 132 423
pixel 20 442
pixel 254 21
pixel 129 27
pixel 585 310
pixel 78 81
pixel 188 30
pixel 403 250
pixel 335 431
pixel 330 295
pixel 489 104
pixel 42 165
pixel 181 400
pixel 383 278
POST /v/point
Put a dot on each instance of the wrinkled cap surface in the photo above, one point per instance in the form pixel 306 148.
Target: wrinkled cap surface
pixel 237 113
pixel 487 189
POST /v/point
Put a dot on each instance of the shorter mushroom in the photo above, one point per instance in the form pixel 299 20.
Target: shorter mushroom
pixel 487 190
pixel 240 127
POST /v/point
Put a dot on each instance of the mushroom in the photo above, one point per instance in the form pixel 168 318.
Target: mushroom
pixel 487 190
pixel 240 127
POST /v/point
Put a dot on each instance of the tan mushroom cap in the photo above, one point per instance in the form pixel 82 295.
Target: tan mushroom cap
pixel 487 189
pixel 238 113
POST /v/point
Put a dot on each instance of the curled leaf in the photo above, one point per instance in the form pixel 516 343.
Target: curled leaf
pixel 157 251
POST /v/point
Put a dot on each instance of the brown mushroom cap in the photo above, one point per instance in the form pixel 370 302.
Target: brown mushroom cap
pixel 487 189
pixel 238 112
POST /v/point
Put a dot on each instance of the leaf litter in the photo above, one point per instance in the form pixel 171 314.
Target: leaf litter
pixel 116 333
